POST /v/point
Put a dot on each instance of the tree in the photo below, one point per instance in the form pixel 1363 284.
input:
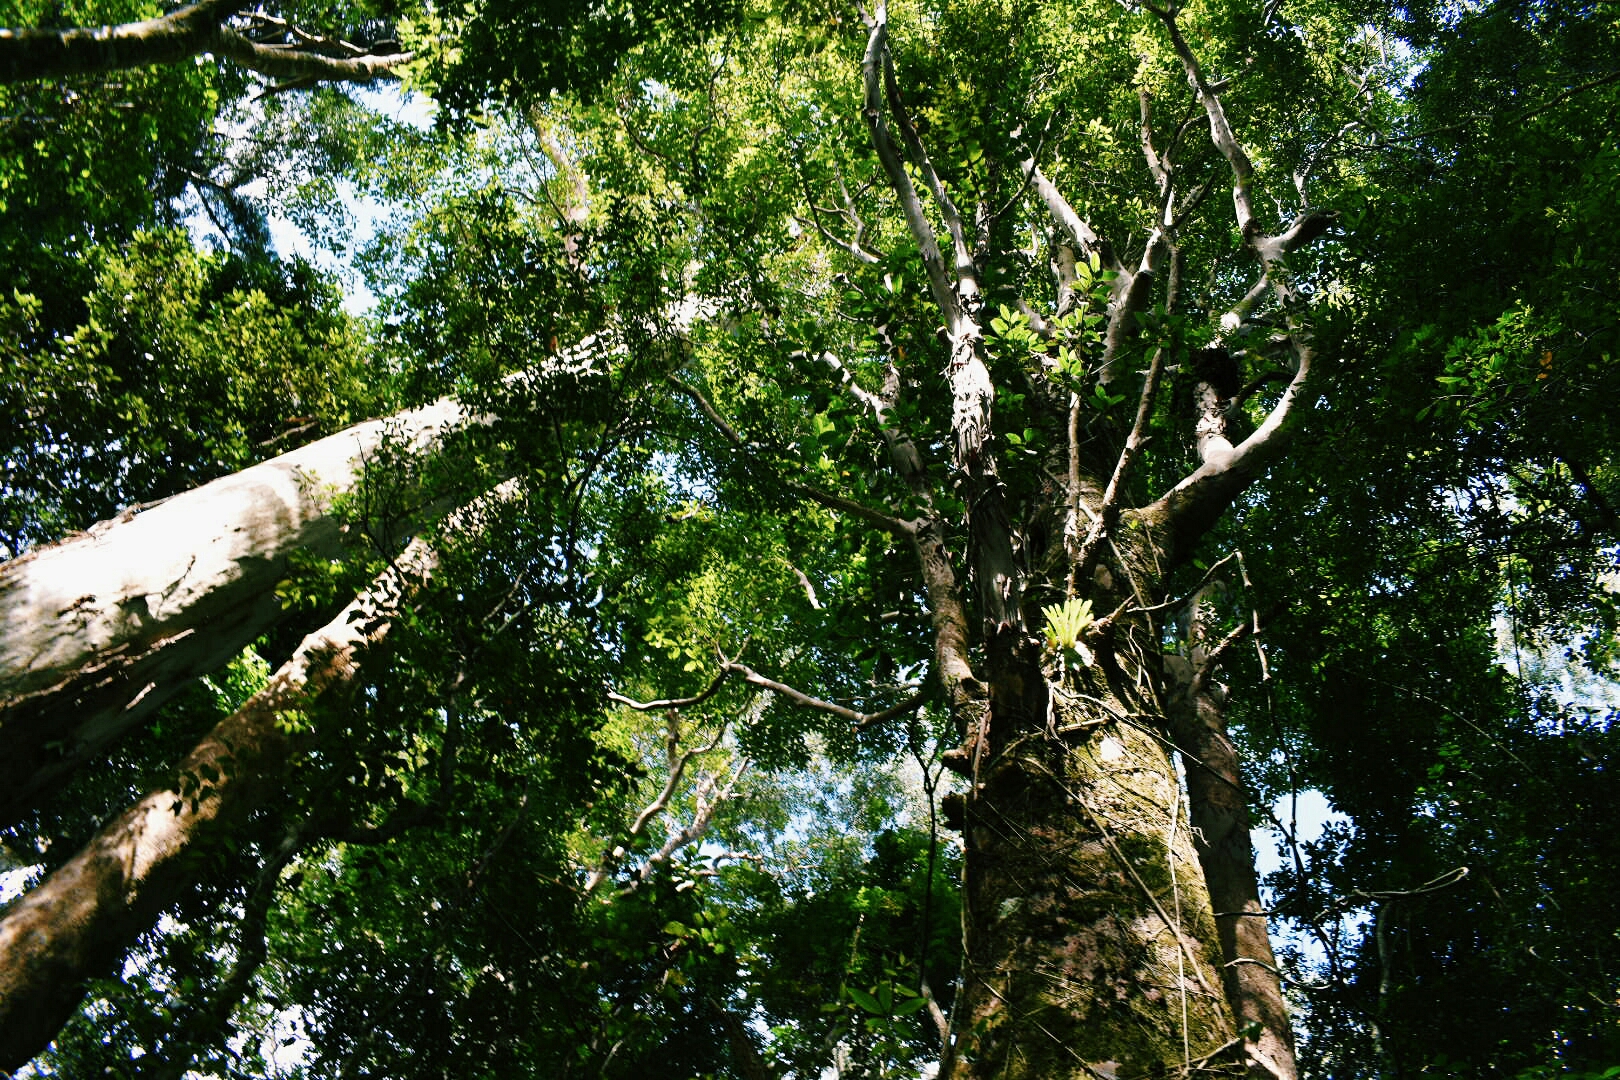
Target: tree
pixel 263 43
pixel 107 626
pixel 752 500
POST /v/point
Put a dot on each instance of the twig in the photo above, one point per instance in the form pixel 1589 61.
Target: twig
pixel 672 703
pixel 859 720
pixel 886 522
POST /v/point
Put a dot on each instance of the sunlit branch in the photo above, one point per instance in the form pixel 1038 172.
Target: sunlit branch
pixel 1108 513
pixel 709 797
pixel 1157 166
pixel 922 231
pixel 904 456
pixel 677 762
pixel 32 53
pixel 671 703
pixel 853 246
pixel 1219 128
pixel 1078 231
pixel 967 275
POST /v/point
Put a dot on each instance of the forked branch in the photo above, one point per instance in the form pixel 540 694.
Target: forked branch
pixel 873 69
pixel 1193 505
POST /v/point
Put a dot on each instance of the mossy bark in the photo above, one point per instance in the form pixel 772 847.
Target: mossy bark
pixel 1091 942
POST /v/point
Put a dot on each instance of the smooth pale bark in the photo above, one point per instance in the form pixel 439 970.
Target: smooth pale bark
pixel 97 631
pixel 78 922
pixel 29 53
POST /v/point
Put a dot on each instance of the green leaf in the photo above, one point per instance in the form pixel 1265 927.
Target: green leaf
pixel 865 1001
pixel 911 1006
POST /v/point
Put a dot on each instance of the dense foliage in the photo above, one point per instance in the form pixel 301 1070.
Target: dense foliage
pixel 650 776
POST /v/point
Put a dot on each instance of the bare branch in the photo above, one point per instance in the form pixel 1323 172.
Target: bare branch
pixel 853 245
pixel 1108 514
pixel 922 230
pixel 677 761
pixel 859 720
pixel 709 798
pixel 1193 505
pixel 1156 165
pixel 671 703
pixel 1220 129
pixel 78 921
pixel 904 456
pixel 1078 231
pixel 967 274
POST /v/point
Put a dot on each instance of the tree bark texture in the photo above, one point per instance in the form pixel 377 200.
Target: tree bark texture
pixel 1220 820
pixel 99 630
pixel 27 53
pixel 1091 943
pixel 77 924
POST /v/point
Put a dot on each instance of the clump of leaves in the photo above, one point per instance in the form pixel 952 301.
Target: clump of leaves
pixel 1065 623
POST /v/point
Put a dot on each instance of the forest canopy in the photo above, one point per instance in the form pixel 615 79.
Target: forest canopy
pixel 789 539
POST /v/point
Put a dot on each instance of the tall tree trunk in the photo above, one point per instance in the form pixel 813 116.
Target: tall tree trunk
pixel 1091 942
pixel 1220 818
pixel 99 630
pixel 1090 937
pixel 78 922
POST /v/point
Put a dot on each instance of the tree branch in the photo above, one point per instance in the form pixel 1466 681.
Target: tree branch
pixel 30 53
pixel 967 274
pixel 1220 129
pixel 922 231
pixel 672 703
pixel 1064 216
pixel 1191 507
pixel 676 761
pixel 708 800
pixel 859 720
pixel 1108 514
pixel 853 245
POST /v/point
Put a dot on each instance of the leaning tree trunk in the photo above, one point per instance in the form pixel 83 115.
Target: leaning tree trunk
pixel 78 922
pixel 99 630
pixel 34 53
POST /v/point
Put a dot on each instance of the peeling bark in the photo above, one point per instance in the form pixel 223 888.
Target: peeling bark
pixel 78 922
pixel 99 630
